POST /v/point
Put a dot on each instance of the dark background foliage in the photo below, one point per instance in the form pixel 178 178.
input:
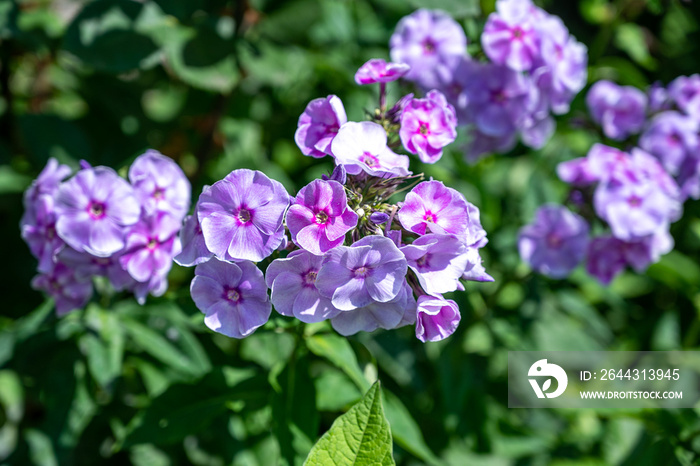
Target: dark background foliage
pixel 219 85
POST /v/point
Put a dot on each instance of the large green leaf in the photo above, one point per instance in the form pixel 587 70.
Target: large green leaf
pixel 338 351
pixel 359 437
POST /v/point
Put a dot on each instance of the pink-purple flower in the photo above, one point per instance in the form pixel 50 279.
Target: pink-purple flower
pixel 428 125
pixel 427 40
pixel 241 216
pixel 150 247
pixel 378 70
pixel 684 91
pixel 371 270
pixel 320 216
pixel 46 183
pixel 232 296
pixel 160 184
pixel 555 243
pixel 431 207
pixel 510 36
pixel 438 261
pixel 38 227
pixel 620 110
pixel 318 126
pixel 363 147
pixel 67 291
pixel 94 209
pixel 293 284
pixel 437 318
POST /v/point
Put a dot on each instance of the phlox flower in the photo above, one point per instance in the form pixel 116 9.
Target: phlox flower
pixel 438 261
pixel 684 91
pixel 555 243
pixel 671 137
pixel 241 216
pixel 378 70
pixel 437 318
pixel 93 210
pixel 371 270
pixel 160 184
pixel 194 249
pixel 86 266
pixel 620 110
pixel 46 183
pixel 510 37
pixel 433 207
pixel 428 125
pixel 318 126
pixel 64 287
pixel 363 147
pixel 396 313
pixel 232 296
pixel 38 228
pixel 151 245
pixel 293 284
pixel 320 217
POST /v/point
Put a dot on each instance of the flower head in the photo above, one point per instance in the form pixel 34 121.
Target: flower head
pixel 378 70
pixel 160 184
pixel 685 93
pixel 371 270
pixel 46 183
pixel 232 296
pixel 437 318
pixel 151 245
pixel 94 209
pixel 363 147
pixel 293 284
pixel 62 285
pixel 318 126
pixel 433 207
pixel 428 125
pixel 671 137
pixel 241 216
pixel 555 243
pixel 426 40
pixel 510 37
pixel 320 217
pixel 620 110
pixel 438 261
pixel 39 231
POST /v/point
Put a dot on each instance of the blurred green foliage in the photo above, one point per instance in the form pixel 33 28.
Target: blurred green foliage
pixel 219 85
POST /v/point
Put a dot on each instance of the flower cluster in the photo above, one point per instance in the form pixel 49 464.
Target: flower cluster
pixel 535 69
pixel 636 194
pixel 340 250
pixel 95 223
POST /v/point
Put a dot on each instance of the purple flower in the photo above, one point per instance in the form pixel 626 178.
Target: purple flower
pixel 510 37
pixel 67 291
pixel 151 245
pixel 232 296
pixel 426 40
pixel 157 285
pixel 555 243
pixel 438 261
pixel 604 258
pixel 396 313
pixel 565 69
pixel 685 92
pixel 475 271
pixel 371 270
pixel 658 98
pixel 194 249
pixel 362 147
pixel 93 210
pixel 536 133
pixel 500 100
pixel 671 137
pixel 318 126
pixel 46 183
pixel 433 207
pixel 241 216
pixel 293 284
pixel 481 144
pixel 620 110
pixel 437 318
pixel 428 125
pixel 577 172
pixel 638 197
pixel 160 184
pixel 86 266
pixel 378 70
pixel 320 217
pixel 38 227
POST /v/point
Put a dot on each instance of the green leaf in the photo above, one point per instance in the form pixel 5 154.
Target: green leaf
pixel 631 38
pixel 338 351
pixel 456 8
pixel 267 349
pixel 104 36
pixel 405 430
pixel 157 346
pixel 359 437
pixel 335 391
